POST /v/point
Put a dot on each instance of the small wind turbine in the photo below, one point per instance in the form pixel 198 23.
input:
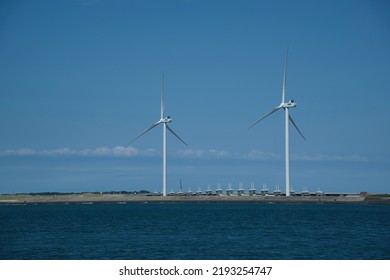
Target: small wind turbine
pixel 285 106
pixel 164 121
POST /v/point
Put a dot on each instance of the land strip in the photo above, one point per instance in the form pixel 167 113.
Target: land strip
pixel 142 198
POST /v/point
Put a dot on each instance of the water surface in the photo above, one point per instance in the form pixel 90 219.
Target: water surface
pixel 195 231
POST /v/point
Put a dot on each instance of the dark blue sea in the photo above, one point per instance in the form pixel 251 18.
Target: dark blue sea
pixel 192 231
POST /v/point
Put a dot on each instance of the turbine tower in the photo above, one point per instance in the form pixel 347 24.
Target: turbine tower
pixel 286 106
pixel 164 121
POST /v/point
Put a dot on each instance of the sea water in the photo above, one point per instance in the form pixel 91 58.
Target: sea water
pixel 192 231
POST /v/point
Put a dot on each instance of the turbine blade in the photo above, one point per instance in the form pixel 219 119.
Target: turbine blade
pixel 162 97
pixel 292 121
pixel 176 135
pixel 284 78
pixel 266 115
pixel 146 130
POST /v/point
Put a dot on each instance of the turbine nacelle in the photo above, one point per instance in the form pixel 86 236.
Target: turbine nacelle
pixel 166 120
pixel 290 104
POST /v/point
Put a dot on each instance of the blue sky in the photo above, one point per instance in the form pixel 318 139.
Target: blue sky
pixel 80 78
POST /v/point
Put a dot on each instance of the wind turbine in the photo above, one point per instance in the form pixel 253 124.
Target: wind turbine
pixel 164 121
pixel 286 106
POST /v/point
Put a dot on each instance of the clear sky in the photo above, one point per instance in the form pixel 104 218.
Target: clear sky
pixel 80 78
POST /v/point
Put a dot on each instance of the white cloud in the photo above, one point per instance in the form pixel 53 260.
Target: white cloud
pixel 260 155
pixel 20 152
pixel 322 157
pixel 56 152
pixel 211 153
pixel 118 151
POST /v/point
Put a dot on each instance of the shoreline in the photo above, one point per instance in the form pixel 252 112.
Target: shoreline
pixel 88 198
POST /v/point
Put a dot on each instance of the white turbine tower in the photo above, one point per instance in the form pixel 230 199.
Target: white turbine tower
pixel 164 121
pixel 286 107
